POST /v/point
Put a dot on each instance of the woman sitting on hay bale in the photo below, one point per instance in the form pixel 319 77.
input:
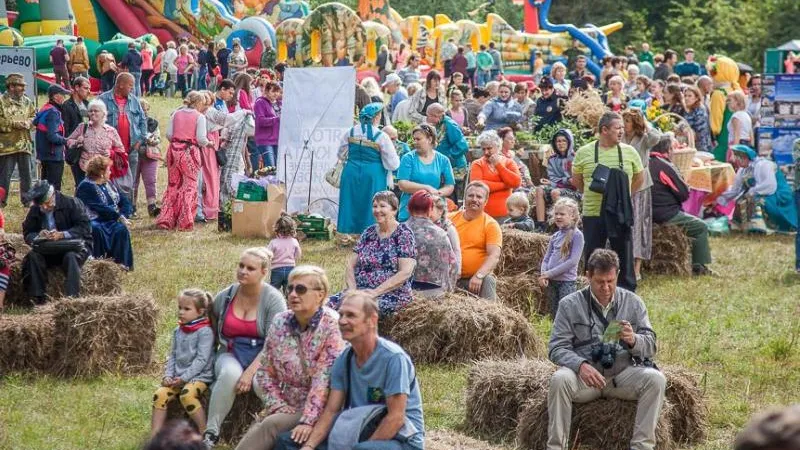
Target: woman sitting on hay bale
pixel 383 260
pixel 436 271
pixel 241 314
pixel 501 174
pixel 439 217
pixel 108 212
pixel 295 368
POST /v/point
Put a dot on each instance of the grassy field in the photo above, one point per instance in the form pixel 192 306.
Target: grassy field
pixel 740 330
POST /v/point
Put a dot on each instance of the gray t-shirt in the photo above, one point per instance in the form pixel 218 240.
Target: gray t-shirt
pixel 388 371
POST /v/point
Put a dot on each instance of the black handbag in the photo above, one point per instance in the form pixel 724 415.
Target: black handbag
pixel 601 172
pixel 60 247
pixel 222 157
pixel 73 153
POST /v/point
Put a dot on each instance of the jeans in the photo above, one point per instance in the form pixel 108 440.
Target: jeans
pixel 494 74
pixel 137 83
pixel 227 372
pixel 279 278
pixel 183 86
pixel 484 76
pixel 285 442
pixel 263 154
pixel 200 78
pixel 556 290
pixel 797 236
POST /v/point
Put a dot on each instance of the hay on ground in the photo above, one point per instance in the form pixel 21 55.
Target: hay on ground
pixel 451 440
pixel 457 328
pixel 245 411
pixel 522 252
pixel 97 334
pixel 497 391
pixel 98 277
pixel 27 342
pixel 523 294
pixel 605 423
pixel 672 252
pixel 690 420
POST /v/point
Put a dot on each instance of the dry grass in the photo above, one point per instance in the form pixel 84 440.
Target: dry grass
pixel 98 277
pixel 451 440
pixel 27 342
pixel 522 252
pixel 690 418
pixel 672 252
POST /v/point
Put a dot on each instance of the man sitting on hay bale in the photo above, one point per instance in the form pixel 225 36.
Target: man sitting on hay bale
pixel 375 400
pixel 58 230
pixel 481 241
pixel 604 344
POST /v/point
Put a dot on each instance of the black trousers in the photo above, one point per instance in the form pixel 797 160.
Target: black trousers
pixel 595 236
pixel 34 272
pixel 53 171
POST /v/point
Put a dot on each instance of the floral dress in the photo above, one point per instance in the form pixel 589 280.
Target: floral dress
pixel 378 260
pixel 698 120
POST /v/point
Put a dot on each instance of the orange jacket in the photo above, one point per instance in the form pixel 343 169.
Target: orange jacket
pixel 501 181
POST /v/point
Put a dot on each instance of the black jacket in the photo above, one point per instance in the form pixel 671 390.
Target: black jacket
pixel 548 111
pixel 69 214
pixel 616 211
pixel 71 115
pixel 667 199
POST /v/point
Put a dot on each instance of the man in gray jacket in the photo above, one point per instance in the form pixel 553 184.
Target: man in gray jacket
pixel 623 368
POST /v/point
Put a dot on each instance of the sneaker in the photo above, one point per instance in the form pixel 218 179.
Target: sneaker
pixel 210 440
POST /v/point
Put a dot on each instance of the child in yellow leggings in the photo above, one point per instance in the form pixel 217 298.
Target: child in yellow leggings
pixel 190 365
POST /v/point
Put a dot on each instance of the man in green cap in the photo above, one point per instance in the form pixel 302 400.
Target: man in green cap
pixel 16 115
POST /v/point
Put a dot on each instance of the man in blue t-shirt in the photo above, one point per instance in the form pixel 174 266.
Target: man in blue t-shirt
pixel 380 372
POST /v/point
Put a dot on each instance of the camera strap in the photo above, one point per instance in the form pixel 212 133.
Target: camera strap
pixel 593 307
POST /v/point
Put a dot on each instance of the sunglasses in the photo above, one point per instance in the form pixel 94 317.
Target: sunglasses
pixel 300 289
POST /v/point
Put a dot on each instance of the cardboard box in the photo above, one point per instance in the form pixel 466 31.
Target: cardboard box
pixel 257 219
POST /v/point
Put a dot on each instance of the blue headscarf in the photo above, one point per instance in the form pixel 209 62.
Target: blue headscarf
pixel 366 115
pixel 747 150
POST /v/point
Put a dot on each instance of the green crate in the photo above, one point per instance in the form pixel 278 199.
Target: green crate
pixel 324 235
pixel 311 224
pixel 251 192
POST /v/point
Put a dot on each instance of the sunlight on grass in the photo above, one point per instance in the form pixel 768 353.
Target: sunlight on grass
pixel 739 330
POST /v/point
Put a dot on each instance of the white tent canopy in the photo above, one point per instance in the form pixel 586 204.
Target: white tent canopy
pixel 791 46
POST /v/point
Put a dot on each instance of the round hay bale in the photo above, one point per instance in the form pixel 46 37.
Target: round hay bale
pixel 523 294
pixel 690 421
pixel 97 335
pixel 522 252
pixel 606 423
pixel 27 342
pixel 451 440
pixel 98 277
pixel 672 252
pixel 497 390
pixel 457 328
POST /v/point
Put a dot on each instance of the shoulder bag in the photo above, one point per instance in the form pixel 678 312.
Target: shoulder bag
pixel 73 153
pixel 601 172
pixel 60 247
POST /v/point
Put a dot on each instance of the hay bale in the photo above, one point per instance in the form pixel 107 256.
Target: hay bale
pixel 522 252
pixel 97 334
pixel 672 252
pixel 451 440
pixel 523 294
pixel 690 418
pixel 601 424
pixel 457 328
pixel 27 342
pixel 98 277
pixel 18 242
pixel 246 409
pixel 497 391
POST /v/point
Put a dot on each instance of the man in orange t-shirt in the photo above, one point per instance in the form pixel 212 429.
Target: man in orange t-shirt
pixel 481 241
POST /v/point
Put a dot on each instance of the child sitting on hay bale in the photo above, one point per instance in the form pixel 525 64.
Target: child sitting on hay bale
pixel 190 365
pixel 560 264
pixel 518 218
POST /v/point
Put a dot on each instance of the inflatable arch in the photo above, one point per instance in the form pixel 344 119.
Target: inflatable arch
pixel 289 33
pixel 331 33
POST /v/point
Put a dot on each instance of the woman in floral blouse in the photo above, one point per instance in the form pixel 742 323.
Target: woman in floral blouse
pixel 436 271
pixel 384 258
pixel 293 379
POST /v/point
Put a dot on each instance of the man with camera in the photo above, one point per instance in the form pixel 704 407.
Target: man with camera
pixel 603 343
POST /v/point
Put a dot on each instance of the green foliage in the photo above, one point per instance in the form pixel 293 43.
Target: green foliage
pixel 580 135
pixel 403 130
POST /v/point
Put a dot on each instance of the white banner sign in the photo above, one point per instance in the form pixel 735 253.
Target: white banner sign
pixel 317 111
pixel 21 60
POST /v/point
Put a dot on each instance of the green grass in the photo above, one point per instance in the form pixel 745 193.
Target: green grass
pixel 740 331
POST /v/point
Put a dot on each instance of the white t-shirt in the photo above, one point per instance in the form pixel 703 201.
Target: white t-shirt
pixel 745 127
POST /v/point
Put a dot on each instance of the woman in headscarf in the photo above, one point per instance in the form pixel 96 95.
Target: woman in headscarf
pixel 370 158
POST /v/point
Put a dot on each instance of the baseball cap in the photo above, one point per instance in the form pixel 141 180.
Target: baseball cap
pixel 392 78
pixel 56 89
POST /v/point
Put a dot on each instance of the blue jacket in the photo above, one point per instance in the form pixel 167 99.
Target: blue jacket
pixel 136 117
pixel 452 143
pixel 132 61
pixel 98 205
pixel 500 114
pixel 50 138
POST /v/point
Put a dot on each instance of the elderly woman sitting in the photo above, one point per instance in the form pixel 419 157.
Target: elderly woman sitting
pixel 108 212
pixel 294 376
pixel 498 172
pixel 384 258
pixel 437 269
pixel 760 187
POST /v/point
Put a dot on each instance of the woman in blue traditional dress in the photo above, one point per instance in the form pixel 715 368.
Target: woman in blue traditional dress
pixel 108 212
pixel 370 158
pixel 760 187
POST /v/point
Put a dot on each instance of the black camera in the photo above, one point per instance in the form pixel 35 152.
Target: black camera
pixel 605 354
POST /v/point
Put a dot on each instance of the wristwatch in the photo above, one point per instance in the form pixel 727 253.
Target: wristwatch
pixel 480 276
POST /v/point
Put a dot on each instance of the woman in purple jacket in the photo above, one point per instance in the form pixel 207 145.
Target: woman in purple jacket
pixel 268 123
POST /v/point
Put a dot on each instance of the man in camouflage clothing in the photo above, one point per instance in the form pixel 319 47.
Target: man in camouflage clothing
pixel 16 115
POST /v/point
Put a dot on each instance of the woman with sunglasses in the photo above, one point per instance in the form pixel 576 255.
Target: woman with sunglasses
pixel 241 316
pixel 301 346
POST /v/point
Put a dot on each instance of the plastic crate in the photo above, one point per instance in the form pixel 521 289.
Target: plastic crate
pixel 251 192
pixel 323 235
pixel 312 224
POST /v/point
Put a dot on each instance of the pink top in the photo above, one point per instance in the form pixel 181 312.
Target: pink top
pixel 183 62
pixel 458 117
pixel 95 142
pixel 285 251
pixel 236 327
pixel 147 59
pixel 245 102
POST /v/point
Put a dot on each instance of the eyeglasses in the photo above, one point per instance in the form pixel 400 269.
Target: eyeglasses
pixel 300 289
